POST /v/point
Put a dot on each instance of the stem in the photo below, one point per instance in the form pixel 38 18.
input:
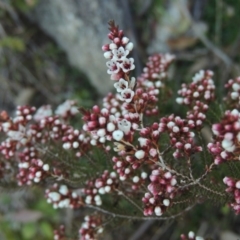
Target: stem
pixel 139 217
pixel 164 166
pixel 130 200
pixel 210 190
pixel 128 144
pixel 197 181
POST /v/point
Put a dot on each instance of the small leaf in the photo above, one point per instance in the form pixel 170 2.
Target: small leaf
pixel 46 229
pixel 29 231
pixel 13 43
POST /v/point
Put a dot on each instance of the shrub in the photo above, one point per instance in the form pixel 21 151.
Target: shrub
pixel 157 166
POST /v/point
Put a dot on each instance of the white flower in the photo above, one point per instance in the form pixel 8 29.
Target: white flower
pixel 42 112
pixel 113 67
pixel 18 135
pixel 236 87
pixel 129 46
pixel 54 196
pixel 126 95
pixel 143 141
pixel 135 179
pixel 158 211
pixel 63 189
pixel 67 106
pixel 234 95
pixel 198 76
pixel 119 54
pixel 124 125
pixel 127 64
pixel 121 85
pixel 110 127
pixel 67 145
pixel 101 132
pixel 112 46
pixel 139 154
pixel 46 167
pixel 125 40
pixel 108 54
pixel 166 202
pixel 237 185
pixel 169 57
pixel 117 135
pixel 235 112
pixel 228 145
pixel 144 175
pixel 191 234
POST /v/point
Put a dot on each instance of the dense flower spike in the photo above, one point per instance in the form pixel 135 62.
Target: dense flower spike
pixel 161 190
pixel 60 196
pixel 91 228
pixel 225 146
pixel 201 88
pixel 155 71
pixel 197 95
pixel 119 65
pixel 31 168
pixel 59 234
pixel 234 189
pixel 181 137
pixel 100 186
pixel 233 97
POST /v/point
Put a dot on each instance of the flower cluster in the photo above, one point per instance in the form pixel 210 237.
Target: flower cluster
pixel 60 196
pixel 119 65
pixel 31 168
pixel 117 52
pixel 91 228
pixel 225 146
pixel 191 236
pixel 197 95
pixel 234 189
pixel 181 136
pixel 59 234
pixel 102 185
pixel 155 70
pixel 161 190
pixel 27 132
pixel 233 87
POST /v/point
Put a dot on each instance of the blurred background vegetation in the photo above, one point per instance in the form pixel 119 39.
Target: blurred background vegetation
pixel 37 68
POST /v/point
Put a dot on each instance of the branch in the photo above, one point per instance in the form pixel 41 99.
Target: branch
pixel 139 217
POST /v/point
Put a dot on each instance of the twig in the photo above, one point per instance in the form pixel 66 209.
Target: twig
pixel 130 200
pixel 210 190
pixel 139 217
pixel 164 166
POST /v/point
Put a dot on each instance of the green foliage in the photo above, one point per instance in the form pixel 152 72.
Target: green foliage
pixel 224 15
pixel 13 43
pixel 24 5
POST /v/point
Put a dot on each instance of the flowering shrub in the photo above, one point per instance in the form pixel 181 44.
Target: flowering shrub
pixel 128 149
